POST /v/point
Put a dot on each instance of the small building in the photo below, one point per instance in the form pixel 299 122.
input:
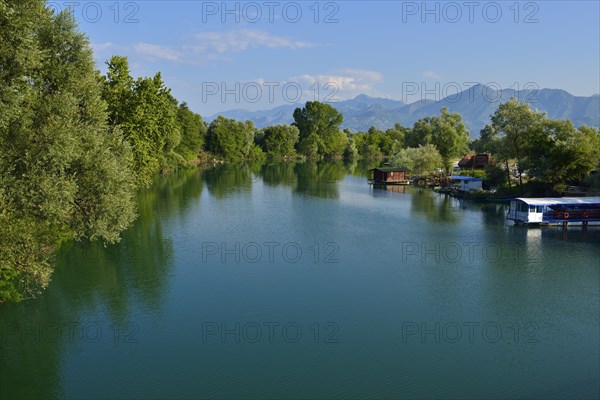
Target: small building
pixel 475 161
pixel 555 210
pixel 388 175
pixel 468 183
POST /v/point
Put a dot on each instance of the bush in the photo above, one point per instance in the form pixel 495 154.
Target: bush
pixel 476 173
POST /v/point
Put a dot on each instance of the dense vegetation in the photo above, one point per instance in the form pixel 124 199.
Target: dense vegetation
pixel 75 146
pixel 550 152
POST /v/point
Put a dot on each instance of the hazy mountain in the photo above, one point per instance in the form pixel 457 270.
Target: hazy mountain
pixel 475 104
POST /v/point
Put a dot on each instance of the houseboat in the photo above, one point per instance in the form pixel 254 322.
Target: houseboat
pixel 555 211
pixel 388 176
pixel 468 183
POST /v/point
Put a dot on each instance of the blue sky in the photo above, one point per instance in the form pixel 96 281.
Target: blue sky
pixel 257 55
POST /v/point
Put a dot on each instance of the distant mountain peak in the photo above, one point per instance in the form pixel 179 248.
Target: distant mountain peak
pixel 364 111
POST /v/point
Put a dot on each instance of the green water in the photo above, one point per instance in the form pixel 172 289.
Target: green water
pixel 302 281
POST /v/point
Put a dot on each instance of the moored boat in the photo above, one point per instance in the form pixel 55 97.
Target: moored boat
pixel 555 210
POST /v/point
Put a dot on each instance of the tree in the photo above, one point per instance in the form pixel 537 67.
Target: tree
pixel 64 174
pixel 421 160
pixel 558 152
pixel 309 146
pixel 323 121
pixel 280 141
pixel 231 139
pixel 420 134
pixel 449 136
pixel 516 123
pixel 396 135
pixel 147 114
pixel 351 151
pixel 446 132
pixel 193 131
pixel 491 142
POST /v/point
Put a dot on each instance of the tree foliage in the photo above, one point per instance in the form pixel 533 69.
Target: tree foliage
pixel 420 160
pixel 446 132
pixel 551 151
pixel 193 132
pixel 319 128
pixel 375 144
pixel 233 140
pixel 515 123
pixel 64 171
pixel 280 141
pixel 146 113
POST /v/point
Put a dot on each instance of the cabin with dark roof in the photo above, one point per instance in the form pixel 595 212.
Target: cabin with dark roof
pixel 475 161
pixel 388 175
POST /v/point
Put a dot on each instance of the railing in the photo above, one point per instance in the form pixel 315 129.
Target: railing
pixel 571 215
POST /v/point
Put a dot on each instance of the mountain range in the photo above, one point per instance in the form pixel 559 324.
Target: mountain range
pixel 475 104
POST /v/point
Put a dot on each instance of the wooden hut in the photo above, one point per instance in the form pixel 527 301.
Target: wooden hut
pixel 389 176
pixel 475 161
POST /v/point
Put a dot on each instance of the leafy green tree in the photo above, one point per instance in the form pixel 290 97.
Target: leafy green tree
pixel 371 152
pixel 231 139
pixel 389 142
pixel 193 131
pixel 421 160
pixel 449 136
pixel 420 134
pixel 372 144
pixel 559 153
pixel 309 146
pixel 446 132
pixel 405 159
pixel 324 121
pixel 376 144
pixel 515 123
pixel 147 114
pixel 117 90
pixel 64 174
pixel 351 151
pixel 397 134
pixel 280 141
pixel 490 141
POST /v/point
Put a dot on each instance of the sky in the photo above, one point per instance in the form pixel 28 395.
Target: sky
pixel 254 55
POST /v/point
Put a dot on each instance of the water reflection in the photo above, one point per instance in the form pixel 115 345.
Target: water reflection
pixel 393 188
pixel 228 179
pixel 437 208
pixel 319 179
pixel 114 281
pixel 279 174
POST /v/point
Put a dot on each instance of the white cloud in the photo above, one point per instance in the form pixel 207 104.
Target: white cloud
pixel 345 84
pixel 158 52
pixel 102 46
pixel 241 39
pixel 431 75
pixel 364 75
pixel 204 47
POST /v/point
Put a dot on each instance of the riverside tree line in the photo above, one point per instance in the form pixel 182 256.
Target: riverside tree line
pixel 75 145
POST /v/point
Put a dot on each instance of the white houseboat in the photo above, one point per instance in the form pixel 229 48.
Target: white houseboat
pixel 555 210
pixel 468 183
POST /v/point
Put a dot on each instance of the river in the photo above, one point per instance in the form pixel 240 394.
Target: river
pixel 302 281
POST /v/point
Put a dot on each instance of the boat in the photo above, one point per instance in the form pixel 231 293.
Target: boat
pixel 555 211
